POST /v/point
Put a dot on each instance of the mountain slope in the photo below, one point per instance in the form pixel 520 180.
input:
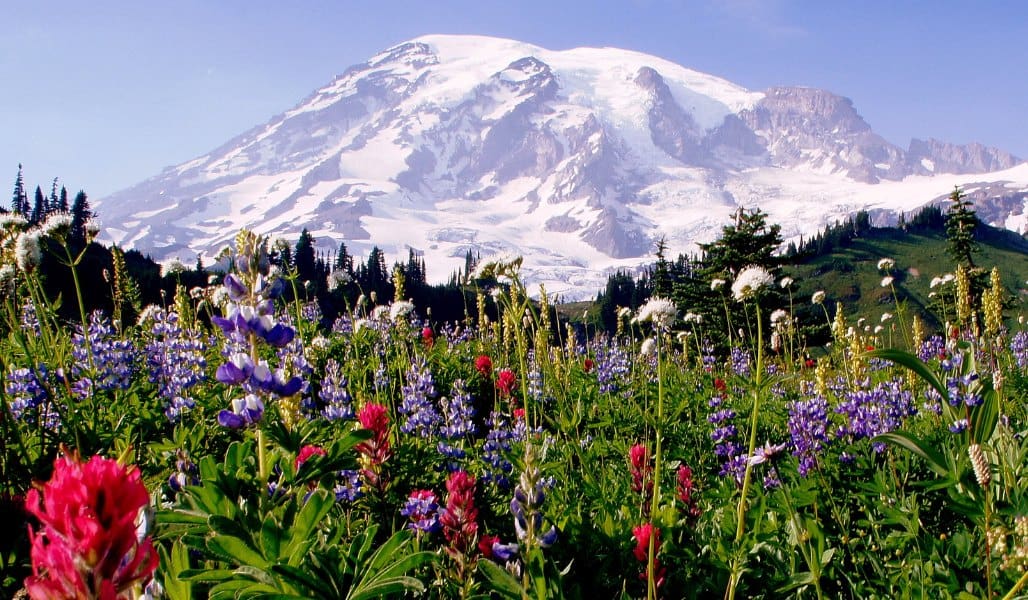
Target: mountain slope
pixel 579 160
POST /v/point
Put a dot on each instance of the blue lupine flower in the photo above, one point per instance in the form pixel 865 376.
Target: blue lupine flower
pixel 28 398
pixel 495 449
pixel 872 412
pixel 334 395
pixel 422 511
pixel 175 359
pixel 808 428
pixel 422 417
pixel 739 361
pixel 349 488
pixel 245 411
pixel 932 348
pixel 106 364
pixel 1019 348
pixel 458 413
pixel 613 366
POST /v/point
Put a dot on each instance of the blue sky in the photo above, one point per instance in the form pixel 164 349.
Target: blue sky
pixel 106 94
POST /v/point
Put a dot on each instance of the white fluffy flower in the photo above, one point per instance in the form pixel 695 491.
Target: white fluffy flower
pixel 57 226
pixel 27 252
pixel 818 297
pixel 716 284
pixel 379 313
pixel 320 343
pixel 751 280
pixel 886 281
pixel 337 279
pixel 7 275
pixel 785 282
pixel 936 282
pixel 886 263
pixel 691 317
pixel 879 329
pixel 220 296
pixel 172 267
pixel 624 312
pixel 12 221
pixel 659 310
pixel 886 317
pixel 649 346
pixel 779 316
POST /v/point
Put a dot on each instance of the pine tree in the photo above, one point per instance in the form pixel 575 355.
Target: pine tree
pixel 20 200
pixel 304 257
pixel 52 203
pixel 661 272
pixel 961 221
pixel 38 208
pixel 80 215
pixel 62 203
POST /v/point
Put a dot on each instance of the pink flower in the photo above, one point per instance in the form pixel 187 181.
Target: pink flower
pixel 305 453
pixel 459 516
pixel 88 546
pixel 427 336
pixel 686 488
pixel 505 381
pixel 484 365
pixel 374 451
pixel 642 534
pixel 642 474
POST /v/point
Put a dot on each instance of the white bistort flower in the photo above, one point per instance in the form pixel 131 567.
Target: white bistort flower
pixel 751 280
pixel 818 297
pixel 659 310
pixel 886 317
pixel 785 282
pixel 337 279
pixel 716 284
pixel 57 226
pixel 886 281
pixel 691 317
pixel 886 263
pixel 779 316
pixel 649 346
pixel 27 252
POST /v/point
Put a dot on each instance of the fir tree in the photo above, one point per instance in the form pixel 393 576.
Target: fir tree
pixel 304 257
pixel 20 200
pixel 661 272
pixel 38 208
pixel 80 215
pixel 62 202
pixel 961 221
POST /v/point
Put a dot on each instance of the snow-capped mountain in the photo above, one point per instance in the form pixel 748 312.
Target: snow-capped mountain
pixel 579 160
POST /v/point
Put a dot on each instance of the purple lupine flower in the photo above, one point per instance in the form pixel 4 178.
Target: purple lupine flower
pixel 962 390
pixel 334 395
pixel 28 397
pixel 30 319
pixel 613 366
pixel 245 411
pixel 292 359
pixel 872 412
pixel 422 417
pixel 932 348
pixel 452 455
pixel 106 364
pixel 495 450
pixel 808 428
pixel 175 359
pixel 186 472
pixel 458 413
pixel 526 506
pixel 349 488
pixel 739 362
pixel 1019 348
pixel 422 511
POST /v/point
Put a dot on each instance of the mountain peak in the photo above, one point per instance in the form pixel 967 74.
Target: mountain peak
pixel 577 159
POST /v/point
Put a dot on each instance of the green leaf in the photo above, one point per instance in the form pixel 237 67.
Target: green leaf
pixel 915 364
pixel 985 416
pixel 826 557
pixel 905 440
pixel 317 505
pixel 236 551
pixel 797 580
pixel 500 581
pixel 271 538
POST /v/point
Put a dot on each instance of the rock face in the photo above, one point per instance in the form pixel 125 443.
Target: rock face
pixel 579 160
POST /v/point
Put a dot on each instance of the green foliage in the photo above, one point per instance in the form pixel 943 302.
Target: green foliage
pixel 961 222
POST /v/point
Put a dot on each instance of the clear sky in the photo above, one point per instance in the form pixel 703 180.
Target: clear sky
pixel 104 94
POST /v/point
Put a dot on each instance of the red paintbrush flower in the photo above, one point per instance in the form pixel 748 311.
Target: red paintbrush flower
pixel 484 365
pixel 305 453
pixel 505 381
pixel 427 336
pixel 459 517
pixel 88 546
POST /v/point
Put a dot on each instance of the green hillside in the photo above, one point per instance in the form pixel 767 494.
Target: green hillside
pixel 850 274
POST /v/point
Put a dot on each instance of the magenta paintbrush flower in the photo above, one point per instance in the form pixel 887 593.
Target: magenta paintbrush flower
pixel 88 546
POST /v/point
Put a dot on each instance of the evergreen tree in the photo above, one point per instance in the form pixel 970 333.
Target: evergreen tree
pixel 80 215
pixel 62 203
pixel 52 203
pixel 304 257
pixel 749 241
pixel 38 208
pixel 20 200
pixel 961 221
pixel 343 260
pixel 661 272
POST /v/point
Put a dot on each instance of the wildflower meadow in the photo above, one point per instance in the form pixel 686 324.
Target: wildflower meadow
pixel 231 444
